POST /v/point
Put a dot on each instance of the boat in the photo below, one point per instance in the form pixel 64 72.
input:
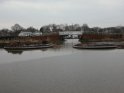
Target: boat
pixel 95 46
pixel 33 46
pixel 120 46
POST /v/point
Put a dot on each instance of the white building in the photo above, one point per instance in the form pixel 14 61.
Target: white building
pixel 30 33
pixel 71 33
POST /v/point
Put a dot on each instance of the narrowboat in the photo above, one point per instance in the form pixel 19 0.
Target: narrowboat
pixel 95 46
pixel 32 46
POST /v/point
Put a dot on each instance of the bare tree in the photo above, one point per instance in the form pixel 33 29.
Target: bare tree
pixel 85 28
pixel 17 27
pixel 31 29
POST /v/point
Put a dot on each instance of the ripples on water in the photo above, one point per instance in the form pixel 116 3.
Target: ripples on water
pixel 62 70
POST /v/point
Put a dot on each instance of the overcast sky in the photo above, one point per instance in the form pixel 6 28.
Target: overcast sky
pixel 103 13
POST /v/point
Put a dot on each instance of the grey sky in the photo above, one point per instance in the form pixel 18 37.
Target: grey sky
pixel 36 13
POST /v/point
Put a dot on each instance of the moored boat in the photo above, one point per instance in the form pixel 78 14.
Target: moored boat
pixel 95 46
pixel 22 47
pixel 120 46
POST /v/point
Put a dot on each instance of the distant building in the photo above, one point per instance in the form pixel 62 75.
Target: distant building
pixel 30 33
pixel 70 34
pixel 37 33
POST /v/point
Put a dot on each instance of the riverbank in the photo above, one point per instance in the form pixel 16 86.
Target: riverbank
pixel 27 40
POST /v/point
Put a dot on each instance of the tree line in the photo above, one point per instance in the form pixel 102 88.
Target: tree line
pixel 16 29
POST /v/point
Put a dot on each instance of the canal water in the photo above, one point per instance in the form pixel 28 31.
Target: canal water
pixel 62 70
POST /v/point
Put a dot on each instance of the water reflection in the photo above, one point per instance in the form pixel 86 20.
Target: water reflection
pixel 65 45
pixel 15 51
pixel 21 51
pixel 8 56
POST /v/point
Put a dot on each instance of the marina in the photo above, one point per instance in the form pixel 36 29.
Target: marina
pixel 61 46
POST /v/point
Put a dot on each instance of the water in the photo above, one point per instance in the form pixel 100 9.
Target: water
pixel 62 70
pixel 17 56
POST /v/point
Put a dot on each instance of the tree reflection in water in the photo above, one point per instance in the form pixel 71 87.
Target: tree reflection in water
pixel 21 51
pixel 15 51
